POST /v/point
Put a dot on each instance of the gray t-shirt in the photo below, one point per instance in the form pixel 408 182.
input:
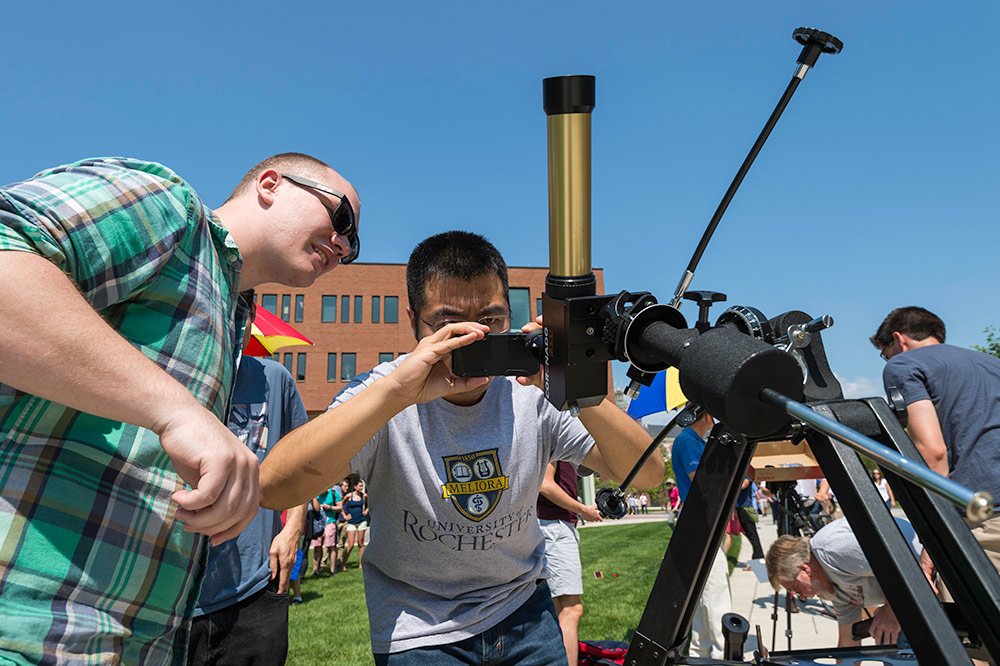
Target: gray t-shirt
pixel 844 563
pixel 455 546
pixel 964 386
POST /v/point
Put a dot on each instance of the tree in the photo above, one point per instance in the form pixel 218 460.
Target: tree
pixel 992 342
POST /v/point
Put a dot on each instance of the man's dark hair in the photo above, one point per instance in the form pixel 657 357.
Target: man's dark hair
pixel 914 321
pixel 449 255
pixel 298 164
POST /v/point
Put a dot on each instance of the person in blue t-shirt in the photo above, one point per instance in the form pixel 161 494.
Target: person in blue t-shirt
pixel 707 639
pixel 242 611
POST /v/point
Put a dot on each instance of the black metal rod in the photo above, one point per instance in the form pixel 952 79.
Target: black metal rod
pixel 789 596
pixel 655 444
pixel 977 506
pixel 735 185
pixel 774 618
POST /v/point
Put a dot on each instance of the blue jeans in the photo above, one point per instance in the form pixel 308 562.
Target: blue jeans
pixel 528 637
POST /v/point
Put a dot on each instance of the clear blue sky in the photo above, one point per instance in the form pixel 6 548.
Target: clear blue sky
pixel 877 188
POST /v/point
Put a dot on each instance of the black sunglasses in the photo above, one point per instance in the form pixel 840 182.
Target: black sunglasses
pixel 342 217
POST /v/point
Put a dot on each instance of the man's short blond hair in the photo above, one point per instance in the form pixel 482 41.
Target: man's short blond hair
pixel 784 558
pixel 297 164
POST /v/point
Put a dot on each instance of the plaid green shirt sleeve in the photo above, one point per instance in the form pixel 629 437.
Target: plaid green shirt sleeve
pixel 65 214
pixel 93 566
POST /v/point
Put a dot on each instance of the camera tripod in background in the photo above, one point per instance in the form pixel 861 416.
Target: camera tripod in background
pixel 794 514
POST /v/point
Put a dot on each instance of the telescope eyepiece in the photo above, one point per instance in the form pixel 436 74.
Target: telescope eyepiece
pixel 568 94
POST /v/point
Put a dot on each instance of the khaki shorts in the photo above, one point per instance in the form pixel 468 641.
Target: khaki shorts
pixel 988 536
pixel 562 557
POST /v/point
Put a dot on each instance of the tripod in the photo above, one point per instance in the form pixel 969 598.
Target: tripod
pixel 794 517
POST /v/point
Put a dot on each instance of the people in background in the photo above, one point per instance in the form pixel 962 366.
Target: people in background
pixel 242 612
pixel 355 510
pixel 324 546
pixel 557 512
pixel 883 488
pixel 707 639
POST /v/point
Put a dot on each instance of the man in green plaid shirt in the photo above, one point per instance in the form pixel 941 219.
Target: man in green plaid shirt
pixel 119 326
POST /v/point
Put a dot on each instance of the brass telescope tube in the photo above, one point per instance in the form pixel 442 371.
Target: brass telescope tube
pixel 568 103
pixel 575 360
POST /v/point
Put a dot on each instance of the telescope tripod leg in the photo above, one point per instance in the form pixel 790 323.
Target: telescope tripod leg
pixel 697 536
pixel 971 577
pixel 921 616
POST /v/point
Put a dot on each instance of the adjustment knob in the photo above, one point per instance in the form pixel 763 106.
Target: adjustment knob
pixel 828 42
pixel 814 42
pixel 611 504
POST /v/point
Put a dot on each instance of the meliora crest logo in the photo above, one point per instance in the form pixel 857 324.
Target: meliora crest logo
pixel 475 483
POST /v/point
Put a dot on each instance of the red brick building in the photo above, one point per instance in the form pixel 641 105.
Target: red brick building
pixel 356 318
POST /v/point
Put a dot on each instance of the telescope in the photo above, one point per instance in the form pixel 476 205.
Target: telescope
pixel 764 379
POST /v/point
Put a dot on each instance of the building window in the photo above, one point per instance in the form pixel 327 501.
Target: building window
pixel 357 309
pixel 329 309
pixel 286 306
pixel 300 306
pixel 348 362
pixel 391 309
pixel 520 308
pixel 331 367
pixel 301 376
pixel 288 362
pixel 269 302
pixel 345 309
pixel 375 309
pixel 385 357
pixel 538 307
pixel 276 357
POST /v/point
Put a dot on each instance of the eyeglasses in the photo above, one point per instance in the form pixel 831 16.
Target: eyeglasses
pixel 496 323
pixel 887 352
pixel 342 217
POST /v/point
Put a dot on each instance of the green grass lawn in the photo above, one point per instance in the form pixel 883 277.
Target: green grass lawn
pixel 331 627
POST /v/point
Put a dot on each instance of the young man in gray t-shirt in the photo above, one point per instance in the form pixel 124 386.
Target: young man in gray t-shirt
pixel 455 569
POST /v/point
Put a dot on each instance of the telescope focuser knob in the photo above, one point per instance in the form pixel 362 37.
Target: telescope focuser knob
pixel 639 378
pixel 814 43
pixel 689 415
pixel 632 392
pixel 819 324
pixel 611 503
pixel 704 299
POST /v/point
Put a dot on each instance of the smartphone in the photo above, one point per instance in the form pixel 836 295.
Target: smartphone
pixel 513 354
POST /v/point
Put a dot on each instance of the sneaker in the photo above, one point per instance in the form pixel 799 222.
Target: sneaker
pixel 296 601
